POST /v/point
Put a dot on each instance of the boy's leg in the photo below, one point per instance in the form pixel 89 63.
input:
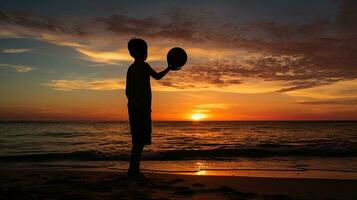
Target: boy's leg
pixel 136 152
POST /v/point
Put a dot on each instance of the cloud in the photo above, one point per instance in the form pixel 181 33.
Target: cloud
pixel 120 54
pixel 300 55
pixel 213 106
pixel 36 22
pixel 341 89
pixel 64 31
pixel 331 102
pixel 86 84
pixel 16 50
pixel 18 68
pixel 302 61
pixel 294 55
pixel 289 70
pixel 209 110
pixel 177 25
pixel 110 57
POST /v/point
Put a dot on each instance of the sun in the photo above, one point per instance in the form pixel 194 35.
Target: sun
pixel 197 116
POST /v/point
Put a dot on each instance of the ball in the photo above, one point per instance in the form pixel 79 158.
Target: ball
pixel 176 57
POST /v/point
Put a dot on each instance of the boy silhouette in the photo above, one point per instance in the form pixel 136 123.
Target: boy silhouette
pixel 138 92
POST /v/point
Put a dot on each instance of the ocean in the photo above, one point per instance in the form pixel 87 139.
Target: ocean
pixel 192 147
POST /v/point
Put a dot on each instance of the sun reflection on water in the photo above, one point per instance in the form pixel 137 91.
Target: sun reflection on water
pixel 201 173
pixel 200 168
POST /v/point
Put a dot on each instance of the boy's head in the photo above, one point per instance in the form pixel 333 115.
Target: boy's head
pixel 138 48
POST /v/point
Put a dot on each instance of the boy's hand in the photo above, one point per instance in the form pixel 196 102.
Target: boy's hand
pixel 171 67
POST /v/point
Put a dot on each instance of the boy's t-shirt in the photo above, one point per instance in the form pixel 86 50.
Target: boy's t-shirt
pixel 138 89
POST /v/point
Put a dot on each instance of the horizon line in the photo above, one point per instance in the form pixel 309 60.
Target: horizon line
pixel 99 120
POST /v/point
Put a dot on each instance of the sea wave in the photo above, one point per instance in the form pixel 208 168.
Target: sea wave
pixel 98 141
pixel 212 154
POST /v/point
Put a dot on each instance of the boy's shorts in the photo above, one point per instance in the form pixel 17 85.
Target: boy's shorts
pixel 140 126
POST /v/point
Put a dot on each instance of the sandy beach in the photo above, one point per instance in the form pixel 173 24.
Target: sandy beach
pixel 75 184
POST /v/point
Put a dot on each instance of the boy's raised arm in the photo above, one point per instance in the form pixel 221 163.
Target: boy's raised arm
pixel 159 75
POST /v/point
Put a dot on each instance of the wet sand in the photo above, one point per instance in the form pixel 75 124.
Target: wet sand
pixel 74 184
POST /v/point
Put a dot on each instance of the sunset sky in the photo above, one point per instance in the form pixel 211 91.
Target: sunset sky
pixel 247 60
